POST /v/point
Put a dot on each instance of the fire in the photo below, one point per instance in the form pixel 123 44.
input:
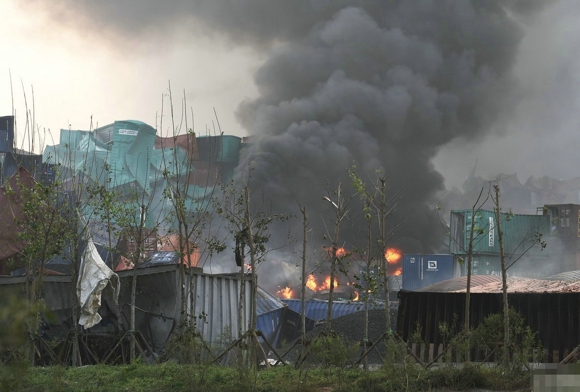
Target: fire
pixel 311 283
pixel 355 296
pixel 392 255
pixel 340 252
pixel 326 284
pixel 393 258
pixel 286 292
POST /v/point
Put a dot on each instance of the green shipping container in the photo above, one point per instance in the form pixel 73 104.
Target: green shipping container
pixel 519 231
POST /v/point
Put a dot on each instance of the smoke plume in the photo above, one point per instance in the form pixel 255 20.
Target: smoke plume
pixel 382 85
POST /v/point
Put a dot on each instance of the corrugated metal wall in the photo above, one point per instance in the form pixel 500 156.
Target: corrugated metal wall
pixel 217 299
pixel 158 300
pixel 555 316
pixel 57 295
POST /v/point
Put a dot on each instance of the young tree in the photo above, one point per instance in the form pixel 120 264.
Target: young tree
pixel 41 230
pixel 476 207
pixel 528 241
pixel 337 253
pixel 303 277
pixel 249 221
pixel 376 208
pixel 189 197
pixel 503 276
pixel 129 215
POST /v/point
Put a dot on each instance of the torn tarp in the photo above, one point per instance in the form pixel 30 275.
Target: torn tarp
pixel 94 275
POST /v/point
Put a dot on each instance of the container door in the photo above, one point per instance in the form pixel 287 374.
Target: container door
pixel 412 272
pixel 437 268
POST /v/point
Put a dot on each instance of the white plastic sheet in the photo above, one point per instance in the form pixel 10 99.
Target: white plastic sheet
pixel 94 275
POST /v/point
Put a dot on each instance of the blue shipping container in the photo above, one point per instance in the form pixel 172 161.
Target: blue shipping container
pixel 424 270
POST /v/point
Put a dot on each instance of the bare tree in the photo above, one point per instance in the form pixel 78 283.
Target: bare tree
pixel 528 241
pixel 249 221
pixel 476 207
pixel 337 253
pixel 506 324
pixel 303 277
pixel 190 198
pixel 376 209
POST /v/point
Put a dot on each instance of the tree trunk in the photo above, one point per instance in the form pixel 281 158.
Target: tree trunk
pixel 366 288
pixel 383 222
pixel 254 297
pixel 136 256
pixel 182 283
pixel 75 303
pixel 133 298
pixel 334 258
pixel 303 286
pixel 506 338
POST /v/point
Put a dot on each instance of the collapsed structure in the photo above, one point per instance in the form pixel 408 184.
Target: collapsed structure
pixel 127 158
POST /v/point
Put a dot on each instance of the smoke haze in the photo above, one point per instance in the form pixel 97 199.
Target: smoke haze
pixel 389 85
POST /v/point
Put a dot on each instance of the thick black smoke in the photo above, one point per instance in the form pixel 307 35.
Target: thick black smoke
pixel 380 84
pixel 382 90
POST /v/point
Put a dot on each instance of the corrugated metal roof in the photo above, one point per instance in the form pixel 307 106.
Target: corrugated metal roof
pixel 317 310
pixel 570 276
pixel 493 284
pixel 269 324
pixel 524 285
pixel 458 284
pixel 267 302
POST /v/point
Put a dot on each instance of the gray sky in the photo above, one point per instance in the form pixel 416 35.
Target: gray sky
pixel 112 64
pixel 542 134
pixel 77 74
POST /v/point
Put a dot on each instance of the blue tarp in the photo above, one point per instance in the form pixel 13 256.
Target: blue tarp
pixel 270 311
pixel 316 309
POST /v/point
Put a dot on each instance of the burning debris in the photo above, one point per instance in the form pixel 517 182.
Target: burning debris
pixel 318 284
pixel 286 293
pixel 393 258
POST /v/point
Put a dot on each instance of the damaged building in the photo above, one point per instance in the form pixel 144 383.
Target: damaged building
pixel 127 157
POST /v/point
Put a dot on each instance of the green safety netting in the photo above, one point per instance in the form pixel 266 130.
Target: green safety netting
pixel 123 156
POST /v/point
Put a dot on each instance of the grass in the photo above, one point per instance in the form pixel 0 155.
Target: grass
pixel 173 377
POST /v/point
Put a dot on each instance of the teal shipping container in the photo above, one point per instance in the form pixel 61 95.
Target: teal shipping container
pixel 519 231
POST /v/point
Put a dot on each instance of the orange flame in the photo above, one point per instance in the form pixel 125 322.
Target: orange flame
pixel 311 283
pixel 340 252
pixel 356 297
pixel 326 284
pixel 392 255
pixel 398 272
pixel 286 292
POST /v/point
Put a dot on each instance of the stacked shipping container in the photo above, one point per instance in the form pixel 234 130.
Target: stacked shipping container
pixel 520 236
